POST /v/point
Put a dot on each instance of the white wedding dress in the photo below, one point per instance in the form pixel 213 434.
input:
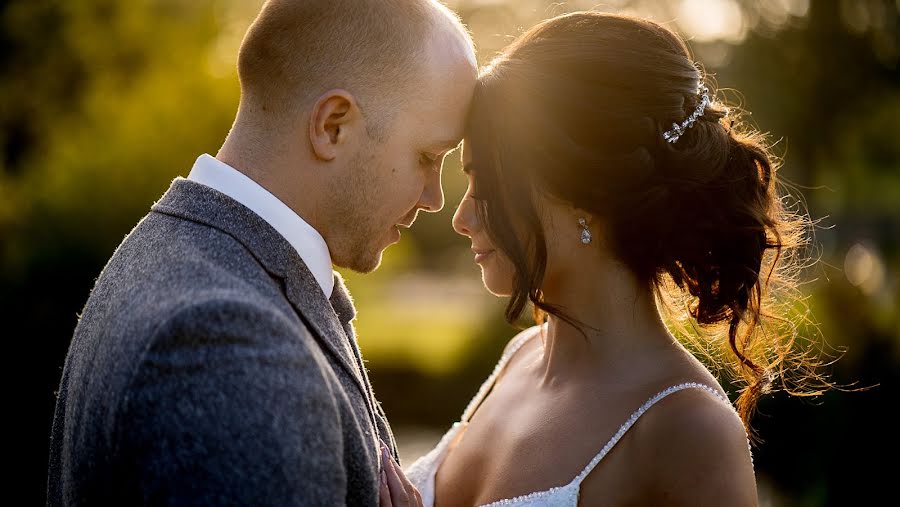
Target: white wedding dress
pixel 422 472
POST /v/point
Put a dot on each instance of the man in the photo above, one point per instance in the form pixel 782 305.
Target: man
pixel 214 362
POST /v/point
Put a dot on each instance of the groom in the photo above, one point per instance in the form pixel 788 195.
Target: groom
pixel 215 361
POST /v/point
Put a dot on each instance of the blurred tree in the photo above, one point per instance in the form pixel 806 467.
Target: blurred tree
pixel 103 102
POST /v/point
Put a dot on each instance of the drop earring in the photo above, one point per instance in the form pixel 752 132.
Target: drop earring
pixel 585 232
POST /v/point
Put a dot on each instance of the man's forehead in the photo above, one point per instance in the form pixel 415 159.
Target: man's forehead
pixel 439 126
pixel 439 107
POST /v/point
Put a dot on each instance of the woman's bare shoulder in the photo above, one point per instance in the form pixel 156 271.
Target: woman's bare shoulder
pixel 522 337
pixel 694 450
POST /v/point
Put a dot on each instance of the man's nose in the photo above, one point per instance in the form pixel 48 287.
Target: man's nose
pixel 432 199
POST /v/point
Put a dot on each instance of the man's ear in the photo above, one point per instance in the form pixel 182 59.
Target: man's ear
pixel 329 120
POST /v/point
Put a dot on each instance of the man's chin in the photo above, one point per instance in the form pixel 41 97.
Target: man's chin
pixel 369 259
pixel 363 264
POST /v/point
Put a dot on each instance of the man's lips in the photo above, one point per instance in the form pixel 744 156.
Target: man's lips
pixel 408 220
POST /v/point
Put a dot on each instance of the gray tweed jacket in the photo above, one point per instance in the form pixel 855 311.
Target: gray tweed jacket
pixel 208 368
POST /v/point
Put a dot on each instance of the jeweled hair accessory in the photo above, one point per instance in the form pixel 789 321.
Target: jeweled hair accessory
pixel 677 130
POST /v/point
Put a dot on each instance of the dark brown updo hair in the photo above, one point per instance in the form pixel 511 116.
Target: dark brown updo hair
pixel 576 108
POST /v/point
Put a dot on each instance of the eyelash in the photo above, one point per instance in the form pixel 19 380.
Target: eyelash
pixel 472 194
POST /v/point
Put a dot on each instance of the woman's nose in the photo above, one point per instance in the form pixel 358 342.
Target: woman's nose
pixel 465 219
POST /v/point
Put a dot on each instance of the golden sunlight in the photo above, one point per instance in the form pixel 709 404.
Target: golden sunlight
pixel 709 20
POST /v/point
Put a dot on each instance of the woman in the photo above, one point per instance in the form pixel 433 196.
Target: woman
pixel 610 189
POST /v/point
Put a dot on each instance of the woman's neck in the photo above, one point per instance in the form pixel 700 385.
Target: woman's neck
pixel 616 312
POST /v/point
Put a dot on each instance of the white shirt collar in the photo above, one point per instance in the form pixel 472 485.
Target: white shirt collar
pixel 307 241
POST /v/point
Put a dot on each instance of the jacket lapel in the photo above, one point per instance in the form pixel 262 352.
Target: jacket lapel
pixel 319 316
pixel 346 312
pixel 192 201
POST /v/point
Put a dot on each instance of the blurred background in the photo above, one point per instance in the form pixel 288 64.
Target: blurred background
pixel 104 102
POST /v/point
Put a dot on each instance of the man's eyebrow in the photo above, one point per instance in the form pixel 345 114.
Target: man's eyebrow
pixel 448 144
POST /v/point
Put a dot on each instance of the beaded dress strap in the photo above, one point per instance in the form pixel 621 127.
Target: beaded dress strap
pixel 637 414
pixel 492 379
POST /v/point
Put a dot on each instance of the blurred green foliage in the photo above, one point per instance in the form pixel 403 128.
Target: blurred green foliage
pixel 104 102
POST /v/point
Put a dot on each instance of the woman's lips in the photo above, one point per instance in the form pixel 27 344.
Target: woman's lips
pixel 481 255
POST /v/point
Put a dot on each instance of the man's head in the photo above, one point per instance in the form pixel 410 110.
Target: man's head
pixel 347 109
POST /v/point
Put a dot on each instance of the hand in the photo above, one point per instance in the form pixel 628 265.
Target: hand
pixel 396 490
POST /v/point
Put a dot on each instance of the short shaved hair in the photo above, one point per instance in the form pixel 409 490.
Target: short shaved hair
pixel 298 49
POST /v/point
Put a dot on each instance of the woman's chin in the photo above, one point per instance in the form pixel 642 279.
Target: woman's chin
pixel 499 288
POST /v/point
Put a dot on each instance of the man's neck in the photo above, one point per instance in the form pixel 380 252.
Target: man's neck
pixel 272 166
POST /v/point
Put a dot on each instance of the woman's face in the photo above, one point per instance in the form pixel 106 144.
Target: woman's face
pixel 567 257
pixel 496 269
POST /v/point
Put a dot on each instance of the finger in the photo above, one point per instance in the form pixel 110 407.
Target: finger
pixel 419 502
pixel 384 492
pixel 399 496
pixel 412 494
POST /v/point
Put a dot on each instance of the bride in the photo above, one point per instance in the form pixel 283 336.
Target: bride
pixel 609 188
